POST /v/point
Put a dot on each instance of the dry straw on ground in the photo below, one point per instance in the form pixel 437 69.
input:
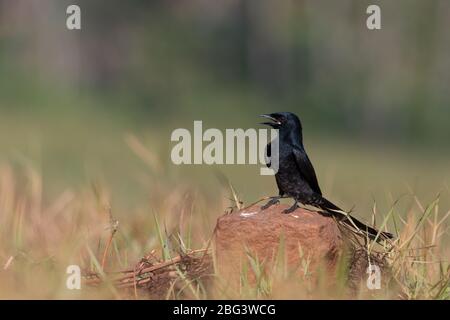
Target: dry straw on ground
pixel 156 279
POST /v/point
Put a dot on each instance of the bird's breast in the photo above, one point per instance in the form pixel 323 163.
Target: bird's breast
pixel 289 178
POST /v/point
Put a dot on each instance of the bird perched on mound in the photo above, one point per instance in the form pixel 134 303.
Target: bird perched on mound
pixel 296 177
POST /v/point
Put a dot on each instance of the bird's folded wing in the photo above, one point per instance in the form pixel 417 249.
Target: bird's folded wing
pixel 306 169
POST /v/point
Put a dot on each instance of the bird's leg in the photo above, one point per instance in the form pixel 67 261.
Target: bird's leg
pixel 291 209
pixel 272 201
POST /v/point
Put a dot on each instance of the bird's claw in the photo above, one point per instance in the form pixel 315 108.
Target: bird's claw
pixel 291 209
pixel 272 202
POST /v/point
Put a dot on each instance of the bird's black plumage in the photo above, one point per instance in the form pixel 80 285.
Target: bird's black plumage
pixel 296 177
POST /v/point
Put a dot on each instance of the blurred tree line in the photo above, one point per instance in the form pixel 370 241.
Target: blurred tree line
pixel 238 57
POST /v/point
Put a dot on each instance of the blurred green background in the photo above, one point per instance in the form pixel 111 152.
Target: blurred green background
pixel 374 104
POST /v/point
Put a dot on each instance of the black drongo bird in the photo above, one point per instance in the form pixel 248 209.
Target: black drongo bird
pixel 296 177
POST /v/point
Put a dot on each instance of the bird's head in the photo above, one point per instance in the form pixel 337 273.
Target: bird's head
pixel 283 121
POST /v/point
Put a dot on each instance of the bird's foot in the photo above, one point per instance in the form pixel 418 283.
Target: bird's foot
pixel 272 201
pixel 294 207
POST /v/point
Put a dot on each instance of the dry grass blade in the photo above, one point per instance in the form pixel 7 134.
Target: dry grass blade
pixel 113 225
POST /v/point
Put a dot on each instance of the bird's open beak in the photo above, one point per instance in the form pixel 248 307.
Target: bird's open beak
pixel 273 124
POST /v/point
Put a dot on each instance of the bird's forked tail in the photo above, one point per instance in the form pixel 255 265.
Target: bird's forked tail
pixel 346 218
